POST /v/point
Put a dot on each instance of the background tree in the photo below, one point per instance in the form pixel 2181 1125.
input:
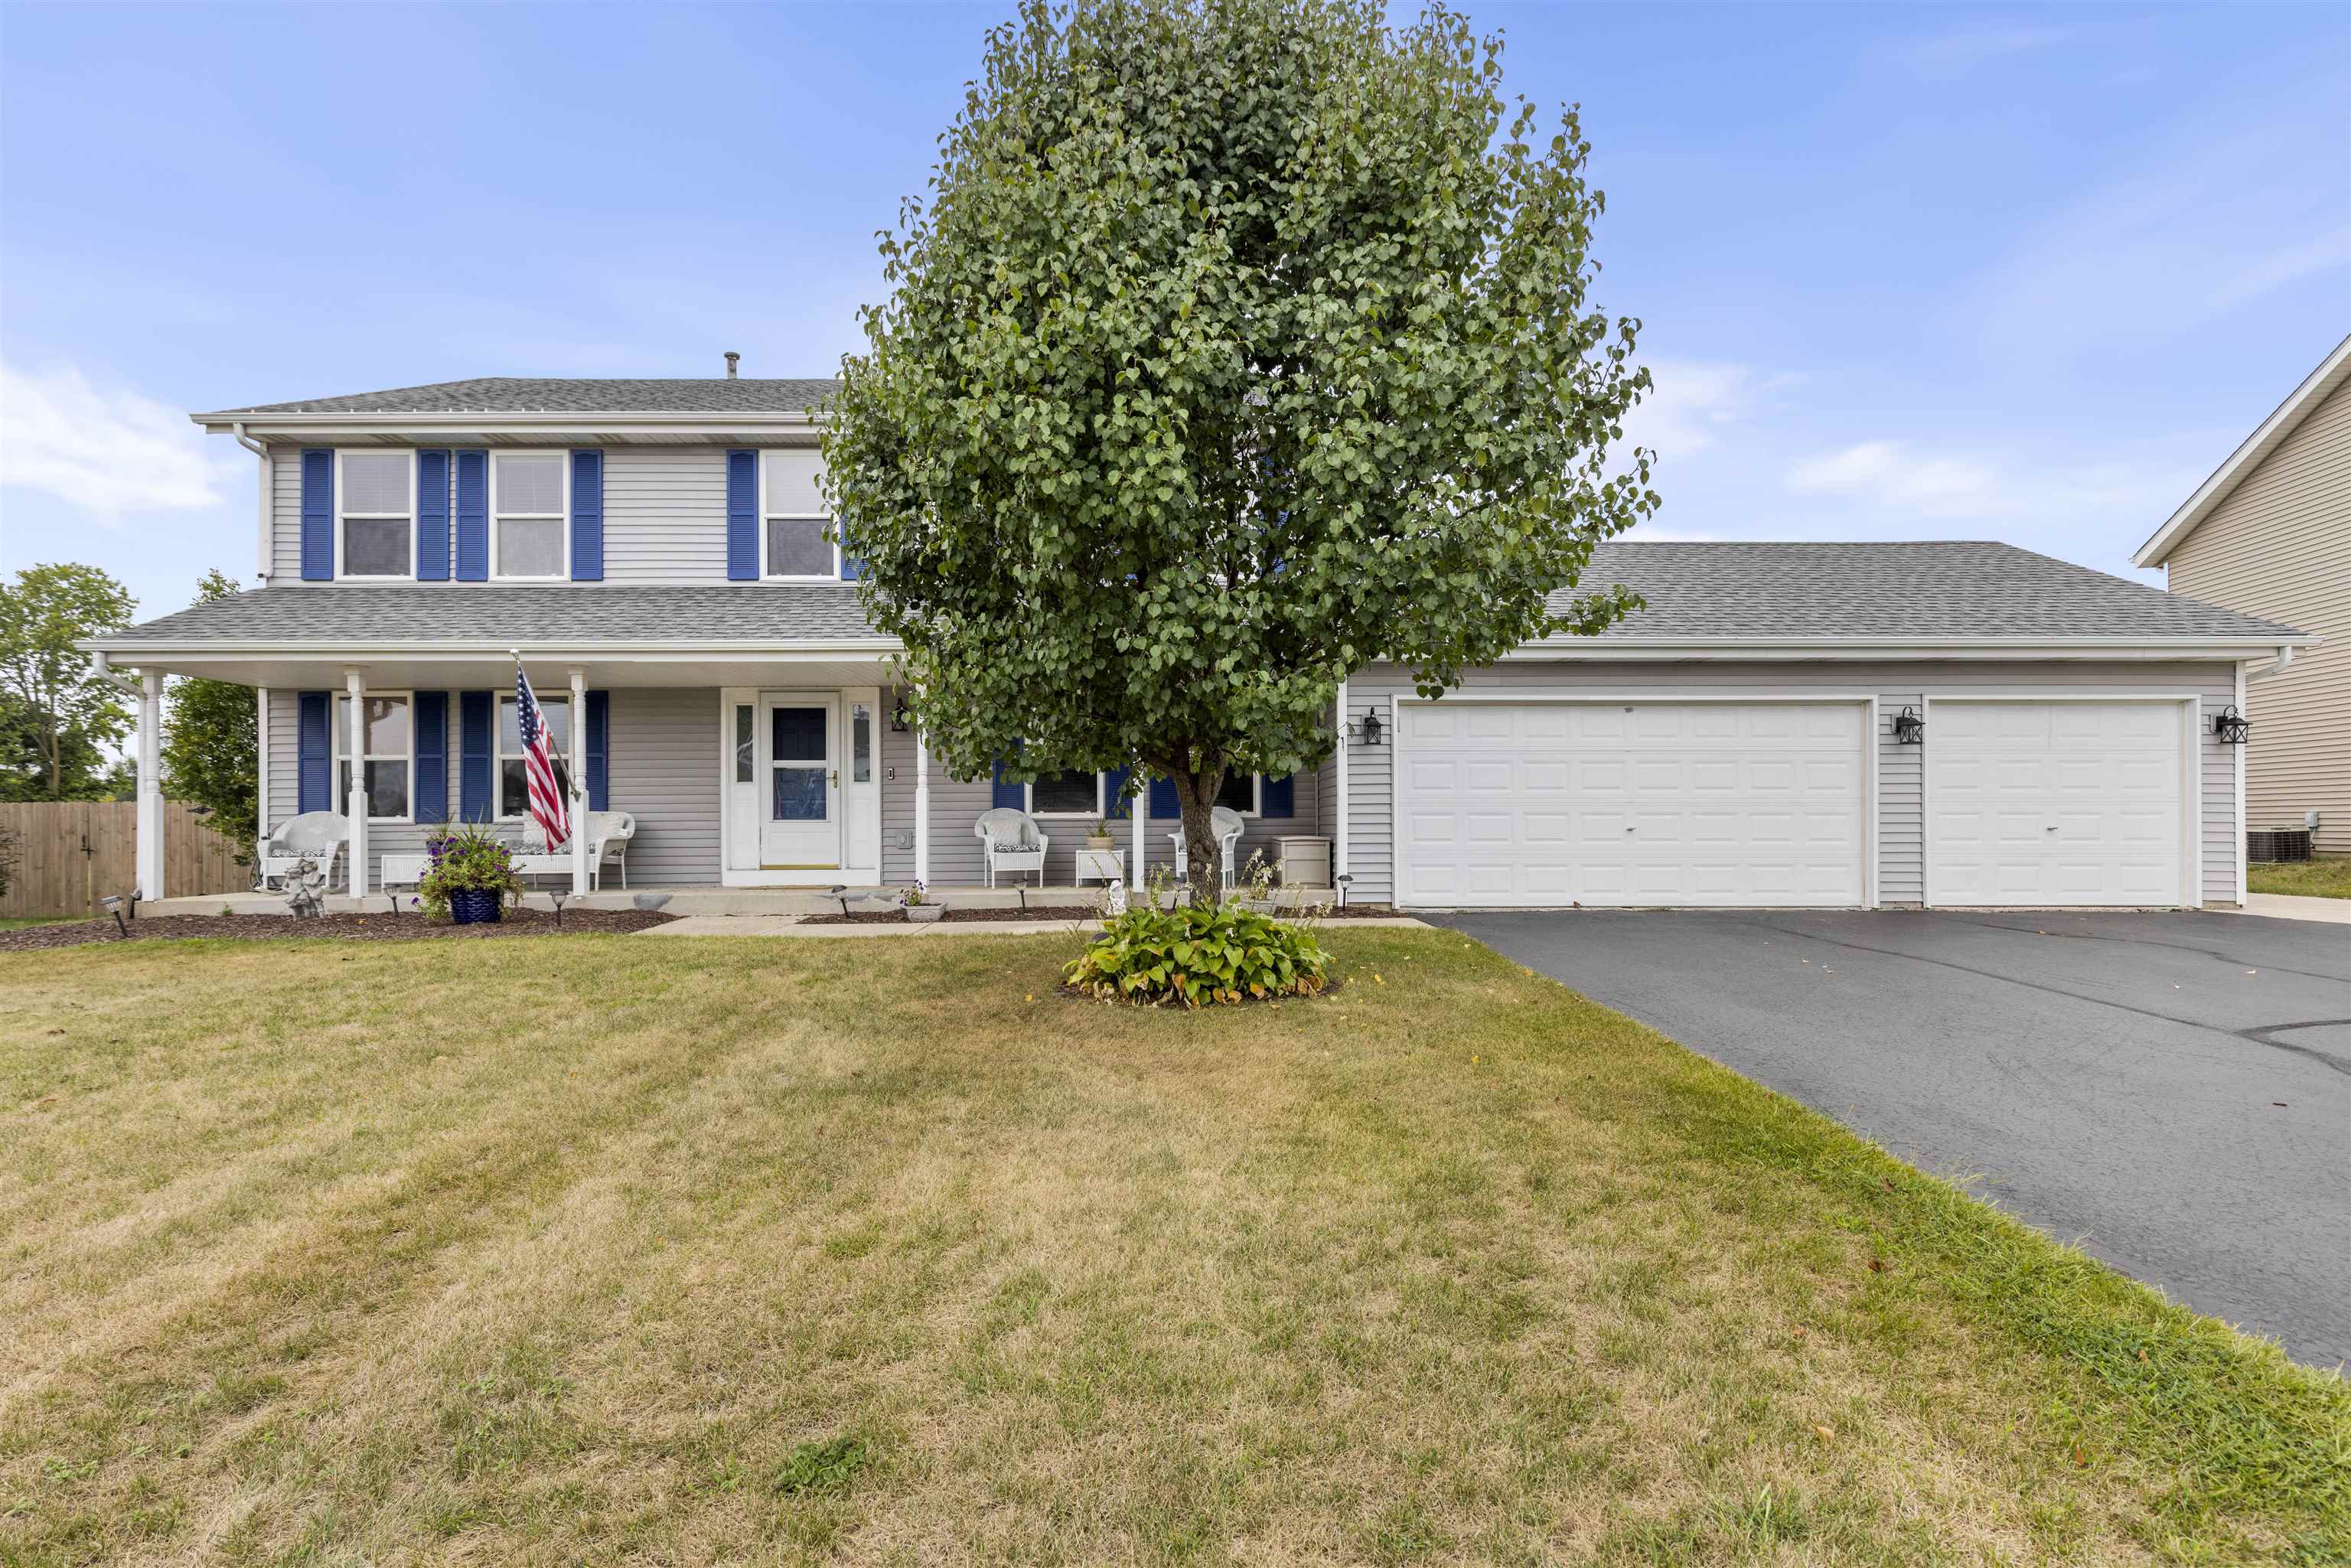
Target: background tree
pixel 212 745
pixel 1241 342
pixel 55 722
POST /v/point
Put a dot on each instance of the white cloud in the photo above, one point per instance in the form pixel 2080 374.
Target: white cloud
pixel 105 451
pixel 1992 495
pixel 1695 403
pixel 1962 50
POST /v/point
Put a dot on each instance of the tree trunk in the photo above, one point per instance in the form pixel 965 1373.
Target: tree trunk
pixel 1195 793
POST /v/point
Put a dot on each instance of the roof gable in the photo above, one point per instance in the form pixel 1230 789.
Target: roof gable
pixel 2332 372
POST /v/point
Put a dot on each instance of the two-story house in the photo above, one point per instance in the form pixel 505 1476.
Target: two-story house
pixel 1849 725
pixel 2269 533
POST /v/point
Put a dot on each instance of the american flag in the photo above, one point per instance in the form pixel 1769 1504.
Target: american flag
pixel 547 806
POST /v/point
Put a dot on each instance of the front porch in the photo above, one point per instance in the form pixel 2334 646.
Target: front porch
pixel 701 899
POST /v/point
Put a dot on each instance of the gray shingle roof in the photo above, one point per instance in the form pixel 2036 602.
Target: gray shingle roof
pixel 1695 592
pixel 497 613
pixel 540 394
pixel 1961 588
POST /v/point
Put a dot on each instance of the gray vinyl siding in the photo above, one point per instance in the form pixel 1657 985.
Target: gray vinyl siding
pixel 663 752
pixel 664 515
pixel 1901 815
pixel 286 514
pixel 664 755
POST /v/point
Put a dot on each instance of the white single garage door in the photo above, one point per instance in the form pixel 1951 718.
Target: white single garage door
pixel 2055 802
pixel 1663 802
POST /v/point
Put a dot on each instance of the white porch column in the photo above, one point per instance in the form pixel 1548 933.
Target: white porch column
pixel 1134 858
pixel 261 760
pixel 578 780
pixel 1339 843
pixel 148 824
pixel 922 809
pixel 356 806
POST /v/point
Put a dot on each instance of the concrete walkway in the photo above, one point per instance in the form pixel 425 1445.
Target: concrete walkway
pixel 791 925
pixel 2293 906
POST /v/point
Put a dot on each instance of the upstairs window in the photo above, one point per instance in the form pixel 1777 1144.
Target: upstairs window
pixel 378 491
pixel 529 536
pixel 793 519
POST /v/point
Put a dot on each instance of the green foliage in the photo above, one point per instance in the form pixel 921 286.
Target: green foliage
pixel 55 721
pixel 1241 343
pixel 1198 955
pixel 824 1470
pixel 467 858
pixel 211 743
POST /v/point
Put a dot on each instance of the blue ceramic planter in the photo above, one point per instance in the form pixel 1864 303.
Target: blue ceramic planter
pixel 476 906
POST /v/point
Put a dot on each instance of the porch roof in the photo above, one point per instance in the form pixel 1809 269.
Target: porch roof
pixel 457 616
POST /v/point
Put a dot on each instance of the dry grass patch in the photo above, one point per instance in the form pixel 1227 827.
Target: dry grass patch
pixel 772 1251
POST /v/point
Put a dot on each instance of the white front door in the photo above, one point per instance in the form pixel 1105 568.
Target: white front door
pixel 799 767
pixel 2055 803
pixel 1637 801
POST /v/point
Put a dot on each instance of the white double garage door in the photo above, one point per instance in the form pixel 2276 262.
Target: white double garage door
pixel 1643 801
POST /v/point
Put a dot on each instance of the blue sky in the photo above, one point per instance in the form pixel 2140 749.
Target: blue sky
pixel 1906 272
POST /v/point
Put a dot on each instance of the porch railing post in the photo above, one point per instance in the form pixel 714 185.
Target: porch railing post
pixel 922 809
pixel 149 836
pixel 578 781
pixel 355 686
pixel 1134 811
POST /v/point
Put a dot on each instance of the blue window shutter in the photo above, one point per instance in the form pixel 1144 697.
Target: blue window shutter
pixel 432 517
pixel 431 793
pixel 588 516
pixel 1008 791
pixel 316 765
pixel 600 749
pixel 473 517
pixel 742 517
pixel 1277 797
pixel 474 711
pixel 318 515
pixel 1112 782
pixel 1164 803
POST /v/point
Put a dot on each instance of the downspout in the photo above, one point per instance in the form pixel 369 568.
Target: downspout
pixel 261 451
pixel 2274 667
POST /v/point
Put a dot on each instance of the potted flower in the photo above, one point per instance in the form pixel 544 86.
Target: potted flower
pixel 471 877
pixel 1098 836
pixel 916 900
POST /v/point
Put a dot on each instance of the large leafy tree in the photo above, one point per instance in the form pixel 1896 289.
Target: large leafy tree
pixel 211 743
pixel 55 719
pixel 1241 342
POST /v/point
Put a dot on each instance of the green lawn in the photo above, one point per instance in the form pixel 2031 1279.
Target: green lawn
pixel 2327 876
pixel 554 1251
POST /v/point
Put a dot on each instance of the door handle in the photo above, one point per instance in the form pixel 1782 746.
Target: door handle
pixel 835 777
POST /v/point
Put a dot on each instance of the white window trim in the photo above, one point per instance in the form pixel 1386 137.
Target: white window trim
pixel 1257 797
pixel 562 517
pixel 342 489
pixel 767 516
pixel 339 722
pixel 499 754
pixel 1028 803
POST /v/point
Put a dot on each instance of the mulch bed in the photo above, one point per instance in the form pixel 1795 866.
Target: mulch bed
pixel 353 927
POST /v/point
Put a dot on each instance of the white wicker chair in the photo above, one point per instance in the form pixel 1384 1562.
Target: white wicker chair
pixel 608 833
pixel 317 837
pixel 1227 824
pixel 1010 840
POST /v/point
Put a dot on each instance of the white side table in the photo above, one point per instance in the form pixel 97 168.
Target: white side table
pixel 1100 865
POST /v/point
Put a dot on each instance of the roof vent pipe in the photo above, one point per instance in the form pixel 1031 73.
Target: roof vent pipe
pixel 732 359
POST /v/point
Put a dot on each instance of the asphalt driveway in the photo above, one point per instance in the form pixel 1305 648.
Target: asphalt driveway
pixel 2172 1092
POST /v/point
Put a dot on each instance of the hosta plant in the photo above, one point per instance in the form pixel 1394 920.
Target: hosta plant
pixel 1196 957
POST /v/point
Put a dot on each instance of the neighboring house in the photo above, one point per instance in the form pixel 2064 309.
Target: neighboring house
pixel 656 550
pixel 2269 534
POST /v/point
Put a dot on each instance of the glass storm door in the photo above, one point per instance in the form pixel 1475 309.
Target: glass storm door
pixel 801 792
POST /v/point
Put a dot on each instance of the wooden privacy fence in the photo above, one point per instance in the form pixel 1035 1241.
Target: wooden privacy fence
pixel 67 854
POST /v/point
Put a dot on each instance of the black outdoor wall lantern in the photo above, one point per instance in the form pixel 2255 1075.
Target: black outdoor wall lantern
pixel 1910 729
pixel 2230 728
pixel 1366 729
pixel 898 717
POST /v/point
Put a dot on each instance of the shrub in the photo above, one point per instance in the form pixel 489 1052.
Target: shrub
pixel 466 859
pixel 1199 957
